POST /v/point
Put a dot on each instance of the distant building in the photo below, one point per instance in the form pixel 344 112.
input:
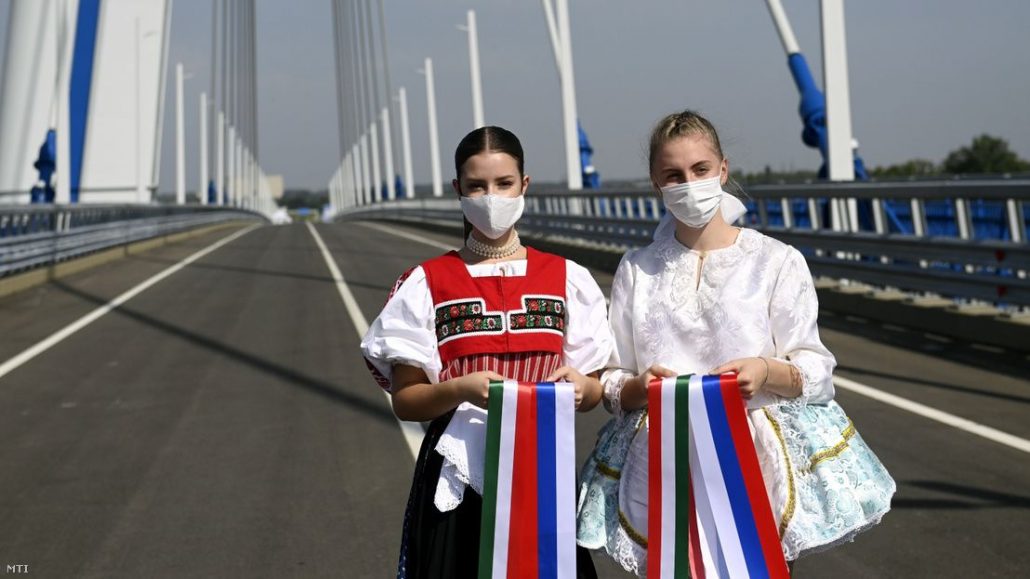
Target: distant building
pixel 275 186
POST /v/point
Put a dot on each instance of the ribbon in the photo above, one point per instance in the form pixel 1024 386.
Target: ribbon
pixel 708 512
pixel 528 527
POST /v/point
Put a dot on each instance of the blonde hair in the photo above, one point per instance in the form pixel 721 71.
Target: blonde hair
pixel 689 123
pixel 683 124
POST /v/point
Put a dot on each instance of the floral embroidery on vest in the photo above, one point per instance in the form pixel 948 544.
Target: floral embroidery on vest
pixel 466 317
pixel 540 313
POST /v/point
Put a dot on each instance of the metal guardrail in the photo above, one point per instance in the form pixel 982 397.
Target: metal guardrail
pixel 961 239
pixel 38 235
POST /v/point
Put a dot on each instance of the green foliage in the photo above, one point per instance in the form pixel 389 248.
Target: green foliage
pixel 298 198
pixel 770 177
pixel 986 154
pixel 910 168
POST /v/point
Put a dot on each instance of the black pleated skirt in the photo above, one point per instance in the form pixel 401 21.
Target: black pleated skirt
pixel 439 545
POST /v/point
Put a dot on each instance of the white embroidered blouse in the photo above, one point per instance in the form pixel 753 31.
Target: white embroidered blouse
pixel 753 298
pixel 691 315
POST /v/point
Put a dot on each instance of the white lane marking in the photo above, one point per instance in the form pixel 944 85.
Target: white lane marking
pixel 412 431
pixel 925 411
pixel 58 336
pixel 406 235
pixel 963 424
pixel 986 348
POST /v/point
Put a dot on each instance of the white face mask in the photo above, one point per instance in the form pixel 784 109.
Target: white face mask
pixel 493 215
pixel 694 203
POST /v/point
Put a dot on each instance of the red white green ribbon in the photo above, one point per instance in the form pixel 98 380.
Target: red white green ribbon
pixel 708 511
pixel 529 506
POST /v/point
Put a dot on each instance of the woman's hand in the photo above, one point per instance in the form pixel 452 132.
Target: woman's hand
pixel 752 374
pixel 587 387
pixel 634 392
pixel 474 388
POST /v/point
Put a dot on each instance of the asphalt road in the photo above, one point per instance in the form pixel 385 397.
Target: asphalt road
pixel 222 424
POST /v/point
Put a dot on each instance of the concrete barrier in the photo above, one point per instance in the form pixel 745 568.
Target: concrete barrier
pixel 32 278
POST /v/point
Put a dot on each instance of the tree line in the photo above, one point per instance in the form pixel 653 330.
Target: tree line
pixel 986 155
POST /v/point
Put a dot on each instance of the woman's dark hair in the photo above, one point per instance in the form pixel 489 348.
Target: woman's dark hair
pixel 488 139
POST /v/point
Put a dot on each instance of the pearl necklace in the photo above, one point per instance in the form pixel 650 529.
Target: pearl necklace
pixel 489 251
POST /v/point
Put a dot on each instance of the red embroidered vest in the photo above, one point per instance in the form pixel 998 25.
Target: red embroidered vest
pixel 497 314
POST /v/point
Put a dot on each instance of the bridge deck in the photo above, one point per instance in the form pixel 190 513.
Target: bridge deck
pixel 221 423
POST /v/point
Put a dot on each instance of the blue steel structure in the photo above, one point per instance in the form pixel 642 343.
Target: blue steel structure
pixel 813 114
pixel 86 31
pixel 46 164
pixel 398 185
pixel 591 178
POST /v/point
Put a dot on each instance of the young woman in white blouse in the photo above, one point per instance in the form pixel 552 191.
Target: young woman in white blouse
pixel 707 297
pixel 493 310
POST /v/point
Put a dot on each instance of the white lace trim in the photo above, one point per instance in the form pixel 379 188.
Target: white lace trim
pixel 809 384
pixel 613 381
pixel 463 447
pixel 450 491
pixel 627 553
pixel 842 538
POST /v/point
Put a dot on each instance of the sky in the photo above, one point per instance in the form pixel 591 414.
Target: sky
pixel 926 76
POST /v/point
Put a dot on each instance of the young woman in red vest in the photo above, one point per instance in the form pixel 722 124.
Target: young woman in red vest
pixel 494 310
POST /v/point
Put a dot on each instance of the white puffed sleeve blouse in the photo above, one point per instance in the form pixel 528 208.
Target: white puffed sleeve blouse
pixel 404 333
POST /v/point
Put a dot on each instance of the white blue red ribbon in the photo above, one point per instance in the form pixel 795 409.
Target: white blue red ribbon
pixel 708 511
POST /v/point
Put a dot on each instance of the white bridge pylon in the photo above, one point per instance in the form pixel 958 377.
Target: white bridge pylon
pixel 107 63
pixel 90 76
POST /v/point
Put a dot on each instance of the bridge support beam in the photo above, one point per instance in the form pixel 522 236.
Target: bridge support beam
pixel 840 159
